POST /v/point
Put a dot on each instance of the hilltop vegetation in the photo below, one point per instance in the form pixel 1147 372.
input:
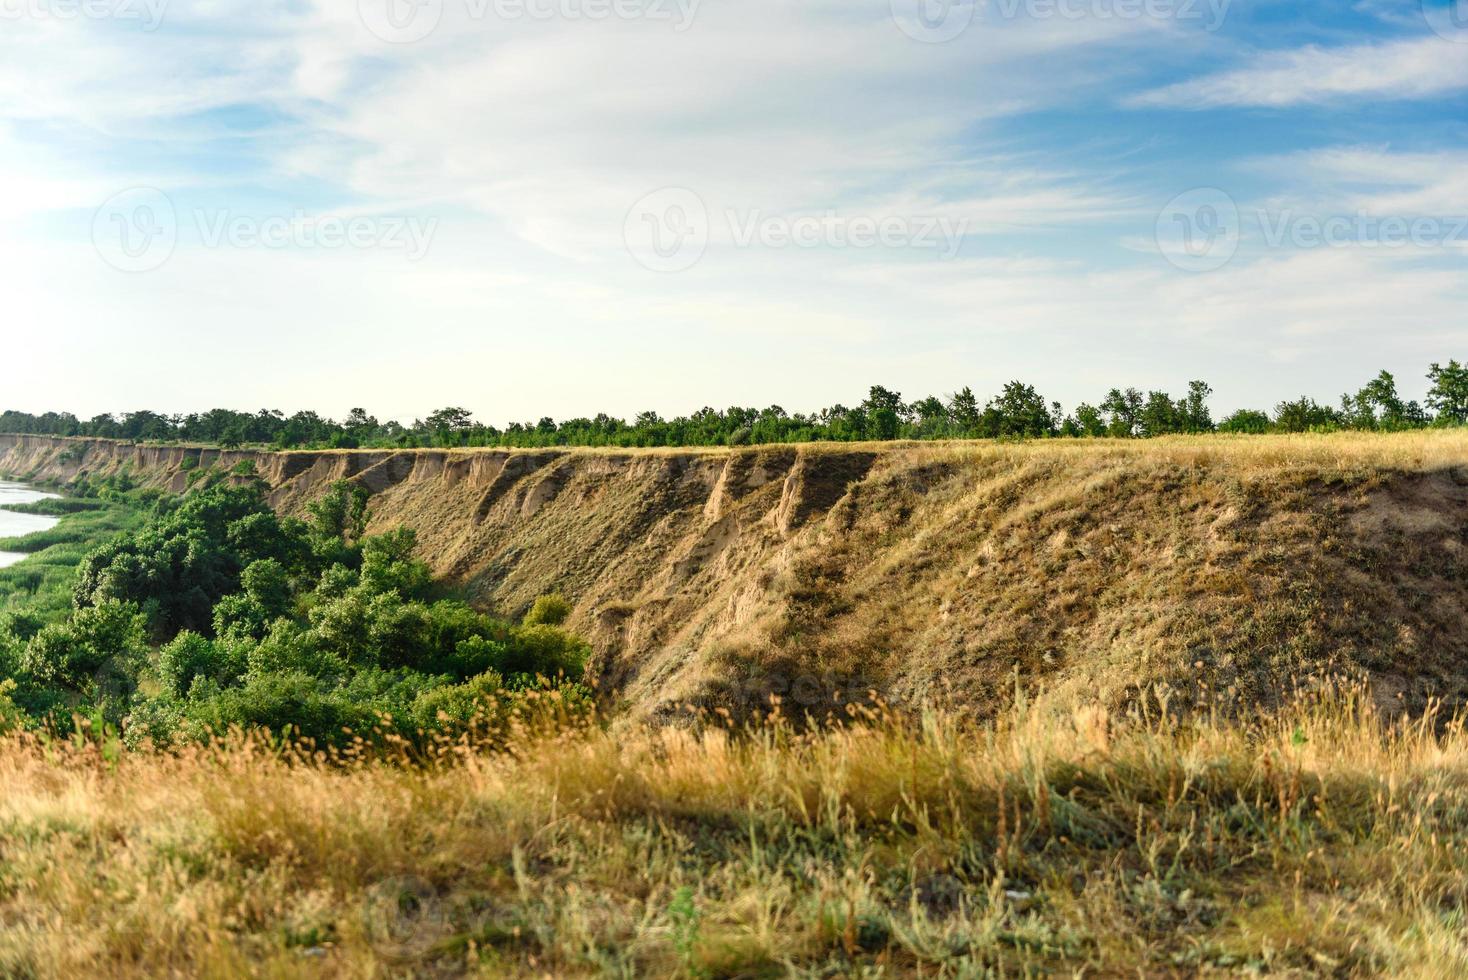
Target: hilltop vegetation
pixel 1019 411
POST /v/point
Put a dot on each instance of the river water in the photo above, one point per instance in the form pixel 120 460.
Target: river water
pixel 13 525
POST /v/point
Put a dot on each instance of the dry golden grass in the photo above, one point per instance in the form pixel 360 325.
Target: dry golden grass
pixel 1320 842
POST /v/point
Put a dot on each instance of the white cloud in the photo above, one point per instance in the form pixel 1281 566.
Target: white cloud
pixel 558 129
pixel 534 139
pixel 1378 180
pixel 1398 70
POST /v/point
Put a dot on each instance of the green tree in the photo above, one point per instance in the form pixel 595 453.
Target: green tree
pixel 1159 416
pixel 1378 406
pixel 885 411
pixel 1018 411
pixel 1304 415
pixel 1448 395
pixel 930 418
pixel 549 610
pixel 963 409
pixel 1090 420
pixel 1193 410
pixel 1124 411
pixel 97 644
pixel 342 513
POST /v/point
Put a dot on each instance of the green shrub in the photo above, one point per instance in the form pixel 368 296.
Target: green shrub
pixel 71 655
pixel 546 651
pixel 549 610
pixel 190 656
pixel 1246 422
pixel 12 717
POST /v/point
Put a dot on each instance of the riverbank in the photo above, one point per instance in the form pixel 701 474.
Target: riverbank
pixel 45 537
pixel 15 522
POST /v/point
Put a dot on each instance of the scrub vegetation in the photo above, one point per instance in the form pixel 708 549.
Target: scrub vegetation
pixel 217 614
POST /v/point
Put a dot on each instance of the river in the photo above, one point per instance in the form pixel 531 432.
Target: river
pixel 13 525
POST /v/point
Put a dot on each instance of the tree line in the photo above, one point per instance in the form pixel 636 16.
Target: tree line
pixel 1018 411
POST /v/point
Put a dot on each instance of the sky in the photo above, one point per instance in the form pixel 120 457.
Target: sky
pixel 562 207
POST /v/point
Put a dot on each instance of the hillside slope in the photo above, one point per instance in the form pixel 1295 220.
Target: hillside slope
pixel 1225 567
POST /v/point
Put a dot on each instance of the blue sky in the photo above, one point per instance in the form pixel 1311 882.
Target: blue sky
pixel 560 207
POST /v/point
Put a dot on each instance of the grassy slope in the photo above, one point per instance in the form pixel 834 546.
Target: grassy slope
pixel 1312 845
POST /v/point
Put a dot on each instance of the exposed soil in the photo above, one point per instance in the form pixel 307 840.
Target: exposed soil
pixel 1227 569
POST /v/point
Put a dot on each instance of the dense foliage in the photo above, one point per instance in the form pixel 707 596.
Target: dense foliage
pixel 217 613
pixel 95 511
pixel 1018 411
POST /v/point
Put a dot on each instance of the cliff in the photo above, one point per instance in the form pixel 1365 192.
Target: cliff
pixel 1225 568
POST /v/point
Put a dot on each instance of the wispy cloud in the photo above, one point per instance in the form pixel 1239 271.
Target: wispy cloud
pixel 531 140
pixel 1372 179
pixel 1406 69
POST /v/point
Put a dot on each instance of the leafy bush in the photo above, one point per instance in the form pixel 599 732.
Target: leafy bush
pixel 1246 421
pixel 548 610
pixel 219 614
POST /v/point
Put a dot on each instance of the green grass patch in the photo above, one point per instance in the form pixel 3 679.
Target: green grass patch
pixel 41 583
pixel 57 506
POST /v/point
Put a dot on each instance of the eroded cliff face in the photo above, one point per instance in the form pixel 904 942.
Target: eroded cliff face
pixel 1221 568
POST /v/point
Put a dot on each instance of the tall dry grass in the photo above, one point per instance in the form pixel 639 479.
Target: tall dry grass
pixel 1321 841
